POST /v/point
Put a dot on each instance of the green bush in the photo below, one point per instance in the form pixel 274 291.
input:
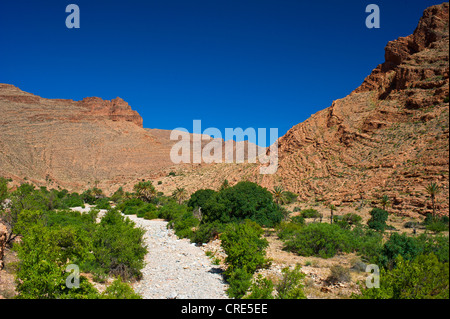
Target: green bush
pixel 320 239
pixel 399 245
pixel 118 246
pixel 245 200
pixel 244 247
pixel 310 213
pixel 103 203
pixel 239 282
pixel 425 277
pixel 130 206
pixel 378 219
pixel 119 290
pixel 287 230
pixel 207 232
pixel 290 285
pixel 199 198
pixel 261 288
pixel 348 220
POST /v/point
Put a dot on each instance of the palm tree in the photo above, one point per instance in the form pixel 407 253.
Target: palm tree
pixel 145 191
pixel 433 189
pixel 384 201
pixel 279 195
pixel 180 194
pixel 332 209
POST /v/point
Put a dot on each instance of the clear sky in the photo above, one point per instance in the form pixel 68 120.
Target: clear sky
pixel 229 63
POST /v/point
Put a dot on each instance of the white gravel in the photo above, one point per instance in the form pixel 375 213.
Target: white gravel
pixel 175 268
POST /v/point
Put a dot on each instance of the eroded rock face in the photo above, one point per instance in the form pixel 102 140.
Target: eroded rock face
pixel 389 136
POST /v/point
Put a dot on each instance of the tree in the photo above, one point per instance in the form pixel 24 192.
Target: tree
pixel 245 200
pixel 384 201
pixel 433 190
pixel 180 194
pixel 145 191
pixel 378 219
pixel 279 195
pixel 332 209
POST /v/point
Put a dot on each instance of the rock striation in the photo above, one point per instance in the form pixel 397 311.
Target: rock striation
pixel 390 136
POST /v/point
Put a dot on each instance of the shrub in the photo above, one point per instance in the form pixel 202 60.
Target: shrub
pixel 339 274
pixel 244 247
pixel 320 239
pixel 102 203
pixel 411 279
pixel 207 232
pixel 119 290
pixel 199 198
pixel 119 247
pixel 399 245
pixel 378 219
pixel 261 288
pixel 290 285
pixel 239 282
pixel 287 230
pixel 130 206
pixel 245 200
pixel 44 253
pixel 310 213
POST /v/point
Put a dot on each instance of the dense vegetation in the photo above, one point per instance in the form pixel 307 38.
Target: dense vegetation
pixel 53 237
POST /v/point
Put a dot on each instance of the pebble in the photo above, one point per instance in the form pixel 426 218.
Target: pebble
pixel 175 268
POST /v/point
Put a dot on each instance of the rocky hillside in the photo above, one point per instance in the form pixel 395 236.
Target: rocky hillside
pixel 79 144
pixel 390 136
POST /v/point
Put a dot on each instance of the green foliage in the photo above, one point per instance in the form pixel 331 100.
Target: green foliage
pixel 44 253
pixel 199 198
pixel 348 220
pixel 130 206
pixel 378 219
pixel 245 251
pixel 119 290
pixel 3 190
pixel 244 247
pixel 239 282
pixel 207 232
pixel 310 213
pixel 425 277
pixel 103 203
pixel 118 196
pixel 145 191
pixel 262 288
pixel 320 239
pixel 119 246
pixel 287 230
pixel 245 200
pixel 290 286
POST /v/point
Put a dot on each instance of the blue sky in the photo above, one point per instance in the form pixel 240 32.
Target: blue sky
pixel 230 63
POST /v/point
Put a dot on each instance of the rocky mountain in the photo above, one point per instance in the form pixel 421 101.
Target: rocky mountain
pixel 390 136
pixel 79 144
